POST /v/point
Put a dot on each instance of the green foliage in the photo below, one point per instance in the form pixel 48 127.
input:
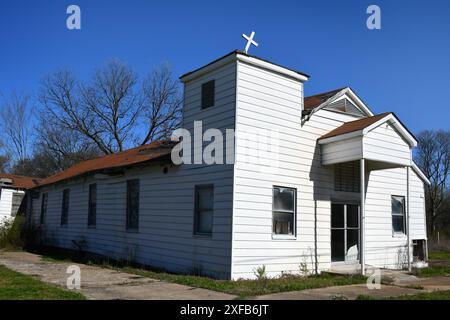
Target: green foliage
pixel 260 272
pixel 16 286
pixel 17 234
pixel 11 233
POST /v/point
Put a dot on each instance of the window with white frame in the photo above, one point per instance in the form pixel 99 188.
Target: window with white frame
pixel 398 214
pixel 284 210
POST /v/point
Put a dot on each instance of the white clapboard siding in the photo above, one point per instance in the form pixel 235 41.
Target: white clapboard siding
pixel 299 166
pixel 5 203
pixel 165 238
pixel 385 144
pixel 384 248
pixel 342 151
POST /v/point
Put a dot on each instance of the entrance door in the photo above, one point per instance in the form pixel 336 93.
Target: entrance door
pixel 344 232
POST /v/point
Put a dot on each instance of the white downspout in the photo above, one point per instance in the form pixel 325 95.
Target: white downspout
pixel 408 240
pixel 363 218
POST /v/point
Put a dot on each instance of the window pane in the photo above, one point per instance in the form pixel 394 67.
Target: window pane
pixel 397 205
pixel 352 216
pixel 205 199
pixel 133 204
pixel 352 245
pixel 398 223
pixel 65 207
pixel 283 199
pixel 92 205
pixel 205 221
pixel 337 245
pixel 283 223
pixel 337 215
pixel 208 89
pixel 204 209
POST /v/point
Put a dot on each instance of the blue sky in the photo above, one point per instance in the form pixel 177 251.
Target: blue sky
pixel 404 67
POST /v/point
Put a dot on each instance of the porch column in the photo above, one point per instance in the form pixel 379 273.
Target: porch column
pixel 363 216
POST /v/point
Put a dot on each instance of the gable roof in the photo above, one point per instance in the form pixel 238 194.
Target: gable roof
pixel 363 126
pixel 242 56
pixel 356 125
pixel 20 182
pixel 316 100
pixel 126 158
pixel 319 101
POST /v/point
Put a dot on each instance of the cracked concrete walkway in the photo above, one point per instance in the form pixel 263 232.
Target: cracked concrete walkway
pixel 105 284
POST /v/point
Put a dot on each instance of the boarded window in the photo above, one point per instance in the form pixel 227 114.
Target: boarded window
pixel 133 204
pixel 284 209
pixel 44 201
pixel 92 210
pixel 347 176
pixel 204 209
pixel 208 93
pixel 65 207
pixel 398 214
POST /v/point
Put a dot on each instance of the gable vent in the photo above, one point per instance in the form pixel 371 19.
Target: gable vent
pixel 344 105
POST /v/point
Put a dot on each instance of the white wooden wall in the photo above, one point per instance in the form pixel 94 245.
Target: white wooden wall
pixel 165 238
pixel 383 247
pixel 242 233
pixel 385 144
pixel 5 203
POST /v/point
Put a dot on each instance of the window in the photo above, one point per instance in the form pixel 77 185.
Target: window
pixel 398 214
pixel 65 207
pixel 284 209
pixel 92 210
pixel 347 176
pixel 208 89
pixel 43 207
pixel 133 204
pixel 204 209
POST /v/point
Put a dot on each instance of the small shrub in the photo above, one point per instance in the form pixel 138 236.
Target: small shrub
pixel 260 272
pixel 11 233
pixel 17 233
pixel 304 271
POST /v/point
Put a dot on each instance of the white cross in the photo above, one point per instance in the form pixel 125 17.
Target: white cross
pixel 250 41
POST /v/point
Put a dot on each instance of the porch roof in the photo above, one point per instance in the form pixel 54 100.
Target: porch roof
pixel 381 138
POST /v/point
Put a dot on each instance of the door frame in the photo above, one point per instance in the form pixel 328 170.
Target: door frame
pixel 345 204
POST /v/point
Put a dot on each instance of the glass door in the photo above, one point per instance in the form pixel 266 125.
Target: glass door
pixel 344 232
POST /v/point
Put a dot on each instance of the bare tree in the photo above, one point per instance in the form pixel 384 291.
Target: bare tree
pixel 104 111
pixel 433 157
pixel 4 158
pixel 162 104
pixel 15 116
pixel 61 147
pixel 109 111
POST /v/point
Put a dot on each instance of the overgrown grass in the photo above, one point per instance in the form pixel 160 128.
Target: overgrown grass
pixel 241 288
pixel 433 271
pixel 439 265
pixel 439 256
pixel 16 286
pixel 435 295
pixel 247 288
